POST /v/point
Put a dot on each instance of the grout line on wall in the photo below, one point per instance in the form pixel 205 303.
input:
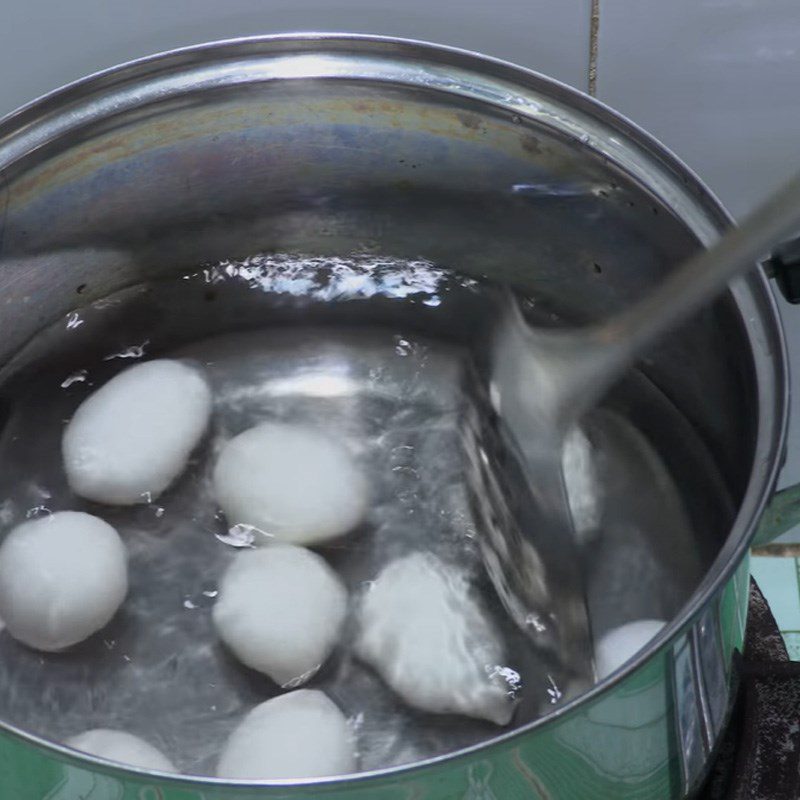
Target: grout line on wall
pixel 594 30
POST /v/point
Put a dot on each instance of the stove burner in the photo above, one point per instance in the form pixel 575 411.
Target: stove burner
pixel 759 757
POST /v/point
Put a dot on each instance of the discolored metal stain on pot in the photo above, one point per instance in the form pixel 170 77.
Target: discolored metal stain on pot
pixel 85 158
pixel 71 165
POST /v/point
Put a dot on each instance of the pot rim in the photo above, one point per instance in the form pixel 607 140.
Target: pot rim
pixel 88 99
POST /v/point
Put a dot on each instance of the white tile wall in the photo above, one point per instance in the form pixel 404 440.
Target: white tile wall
pixel 46 43
pixel 718 81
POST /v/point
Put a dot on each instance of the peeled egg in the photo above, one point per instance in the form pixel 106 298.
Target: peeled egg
pixel 290 482
pixel 301 734
pixel 621 644
pixel 62 578
pixel 122 747
pixel 423 631
pixel 131 439
pixel 280 610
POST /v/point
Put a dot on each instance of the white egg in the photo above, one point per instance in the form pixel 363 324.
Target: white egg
pixel 423 631
pixel 301 734
pixel 280 610
pixel 131 439
pixel 290 482
pixel 621 644
pixel 62 578
pixel 122 747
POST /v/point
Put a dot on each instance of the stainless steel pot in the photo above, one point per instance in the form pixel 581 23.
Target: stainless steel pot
pixel 333 143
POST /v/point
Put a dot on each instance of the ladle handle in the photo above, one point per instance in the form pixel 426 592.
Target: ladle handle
pixel 705 274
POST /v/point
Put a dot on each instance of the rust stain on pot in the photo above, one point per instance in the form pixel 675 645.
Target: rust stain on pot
pixel 469 121
pixel 531 144
pixel 372 106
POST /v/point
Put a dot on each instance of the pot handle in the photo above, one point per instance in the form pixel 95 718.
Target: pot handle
pixel 784 266
pixel 783 512
pixel 781 515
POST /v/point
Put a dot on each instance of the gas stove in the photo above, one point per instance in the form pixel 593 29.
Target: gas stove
pixel 759 756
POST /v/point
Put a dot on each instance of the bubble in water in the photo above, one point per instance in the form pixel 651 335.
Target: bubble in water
pixel 204 598
pixel 74 321
pixel 535 622
pixel 134 351
pixel 332 278
pixel 512 678
pixel 301 679
pixel 37 511
pixel 403 346
pixel 553 691
pixel 79 376
pixel 240 535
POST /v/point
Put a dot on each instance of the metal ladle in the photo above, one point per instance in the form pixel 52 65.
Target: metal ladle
pixel 544 380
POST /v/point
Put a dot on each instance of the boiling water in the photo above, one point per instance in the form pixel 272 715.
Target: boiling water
pixel 379 352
